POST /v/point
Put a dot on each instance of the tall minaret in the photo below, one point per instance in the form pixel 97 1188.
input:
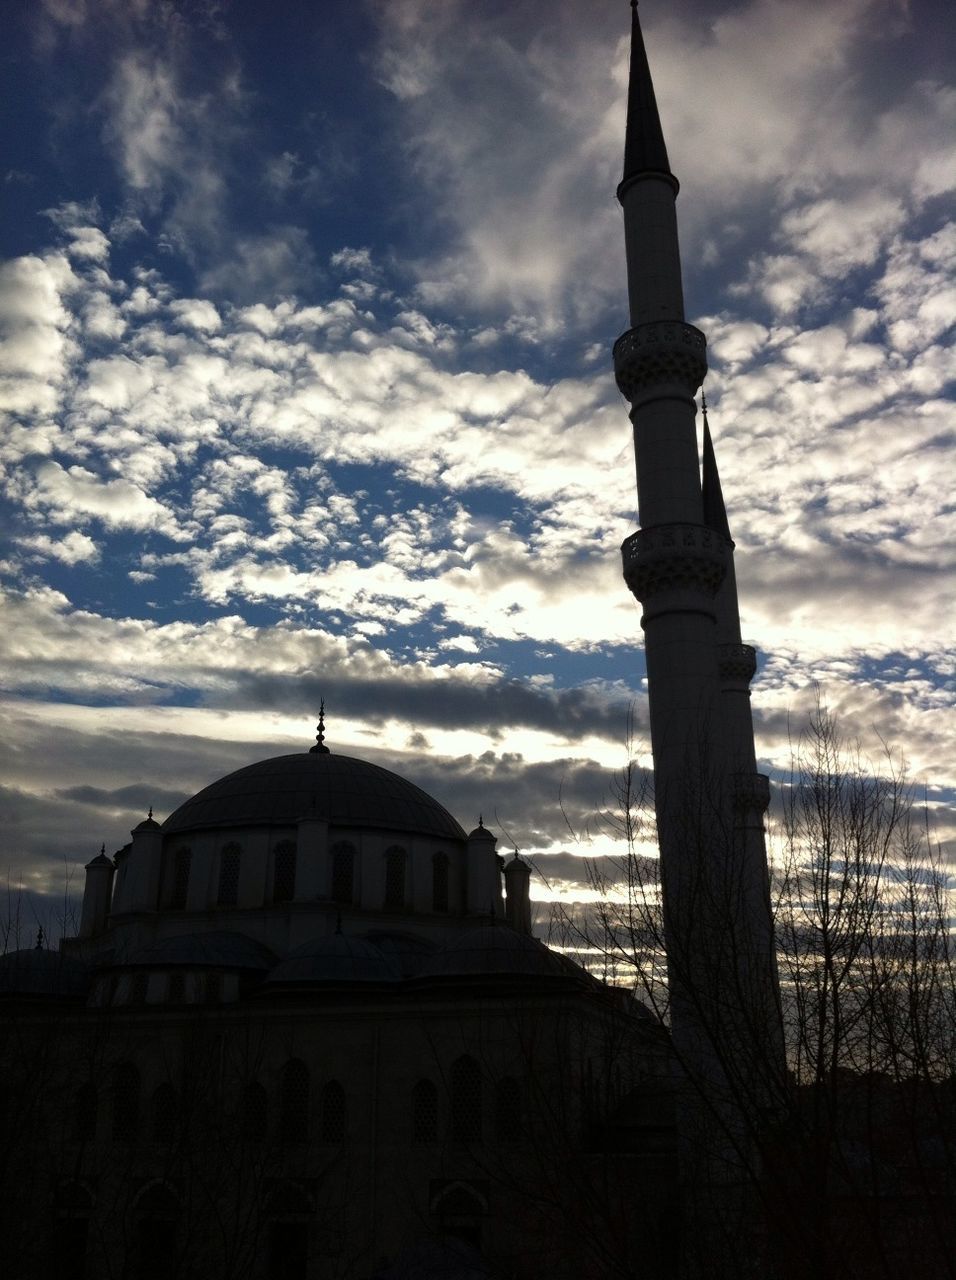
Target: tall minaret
pixel 709 798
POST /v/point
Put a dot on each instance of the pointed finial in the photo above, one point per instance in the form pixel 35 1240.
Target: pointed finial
pixel 150 814
pixel 103 849
pixel 39 945
pixel 515 859
pixel 644 149
pixel 715 512
pixel 480 821
pixel 320 748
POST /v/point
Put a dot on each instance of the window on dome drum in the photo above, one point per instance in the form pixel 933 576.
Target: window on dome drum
pixel 229 862
pixel 253 1112
pixel 176 988
pixel 508 1110
pixel 139 985
pixel 283 871
pixel 84 1113
pixel 440 882
pixel 294 1102
pixel 343 872
pixel 466 1100
pixel 212 988
pixel 424 1112
pixel 164 1114
pixel 125 1102
pixel 334 1115
pixel 395 859
pixel 179 880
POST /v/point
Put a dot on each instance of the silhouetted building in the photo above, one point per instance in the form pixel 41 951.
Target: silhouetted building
pixel 297 1037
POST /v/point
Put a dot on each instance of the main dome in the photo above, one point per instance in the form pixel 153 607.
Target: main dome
pixel 343 791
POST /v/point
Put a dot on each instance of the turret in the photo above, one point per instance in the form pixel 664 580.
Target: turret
pixel 483 881
pixel 97 893
pixel 141 880
pixel 518 894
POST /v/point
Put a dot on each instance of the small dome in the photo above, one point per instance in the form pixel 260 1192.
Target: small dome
pixel 497 950
pixel 481 832
pixel 148 824
pixel 38 972
pixel 337 789
pixel 217 950
pixel 335 960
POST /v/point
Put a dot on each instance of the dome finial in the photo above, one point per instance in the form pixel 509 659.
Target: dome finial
pixel 103 849
pixel 150 814
pixel 320 748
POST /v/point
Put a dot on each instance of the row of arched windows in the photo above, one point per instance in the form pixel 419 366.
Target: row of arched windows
pixel 343 858
pixel 297 1120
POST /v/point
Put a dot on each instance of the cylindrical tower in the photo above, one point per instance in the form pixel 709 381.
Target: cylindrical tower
pixel 709 798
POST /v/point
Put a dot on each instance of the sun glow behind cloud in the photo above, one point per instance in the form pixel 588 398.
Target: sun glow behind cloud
pixel 293 410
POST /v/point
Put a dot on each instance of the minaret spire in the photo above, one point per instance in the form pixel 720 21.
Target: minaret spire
pixel 644 149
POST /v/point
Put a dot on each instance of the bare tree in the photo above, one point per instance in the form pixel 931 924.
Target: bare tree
pixel 849 1147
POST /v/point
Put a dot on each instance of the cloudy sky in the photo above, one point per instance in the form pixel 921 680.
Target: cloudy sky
pixel 305 390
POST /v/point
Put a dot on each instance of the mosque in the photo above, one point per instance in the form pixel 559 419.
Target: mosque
pixel 305 1030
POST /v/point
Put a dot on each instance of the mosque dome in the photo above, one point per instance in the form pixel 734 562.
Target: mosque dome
pixel 499 951
pixel 336 960
pixel 38 971
pixel 219 949
pixel 338 789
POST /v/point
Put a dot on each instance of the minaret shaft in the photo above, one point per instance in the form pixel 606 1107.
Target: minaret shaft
pixel 655 291
pixel 709 798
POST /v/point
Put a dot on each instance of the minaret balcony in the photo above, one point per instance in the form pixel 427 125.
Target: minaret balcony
pixel 736 665
pixel 659 354
pixel 674 557
pixel 751 792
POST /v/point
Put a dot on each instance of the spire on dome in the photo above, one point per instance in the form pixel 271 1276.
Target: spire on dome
pixel 320 748
pixel 644 149
pixel 715 513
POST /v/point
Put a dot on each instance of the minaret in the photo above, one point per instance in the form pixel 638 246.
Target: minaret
pixel 709 798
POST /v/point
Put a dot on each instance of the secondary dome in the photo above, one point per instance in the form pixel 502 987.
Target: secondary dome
pixel 335 960
pixel 343 791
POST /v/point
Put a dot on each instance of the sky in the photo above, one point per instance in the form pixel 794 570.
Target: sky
pixel 305 390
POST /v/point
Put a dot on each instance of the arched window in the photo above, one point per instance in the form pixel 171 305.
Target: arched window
pixel 459 1210
pixel 334 1116
pixel 84 1113
pixel 343 872
pixel 164 1114
pixel 179 878
pixel 294 1102
pixel 71 1230
pixel 212 988
pixel 176 988
pixel 395 859
pixel 157 1219
pixel 283 871
pixel 290 1211
pixel 125 1101
pixel 139 985
pixel 440 882
pixel 465 1100
pixel 508 1110
pixel 253 1112
pixel 229 862
pixel 424 1112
